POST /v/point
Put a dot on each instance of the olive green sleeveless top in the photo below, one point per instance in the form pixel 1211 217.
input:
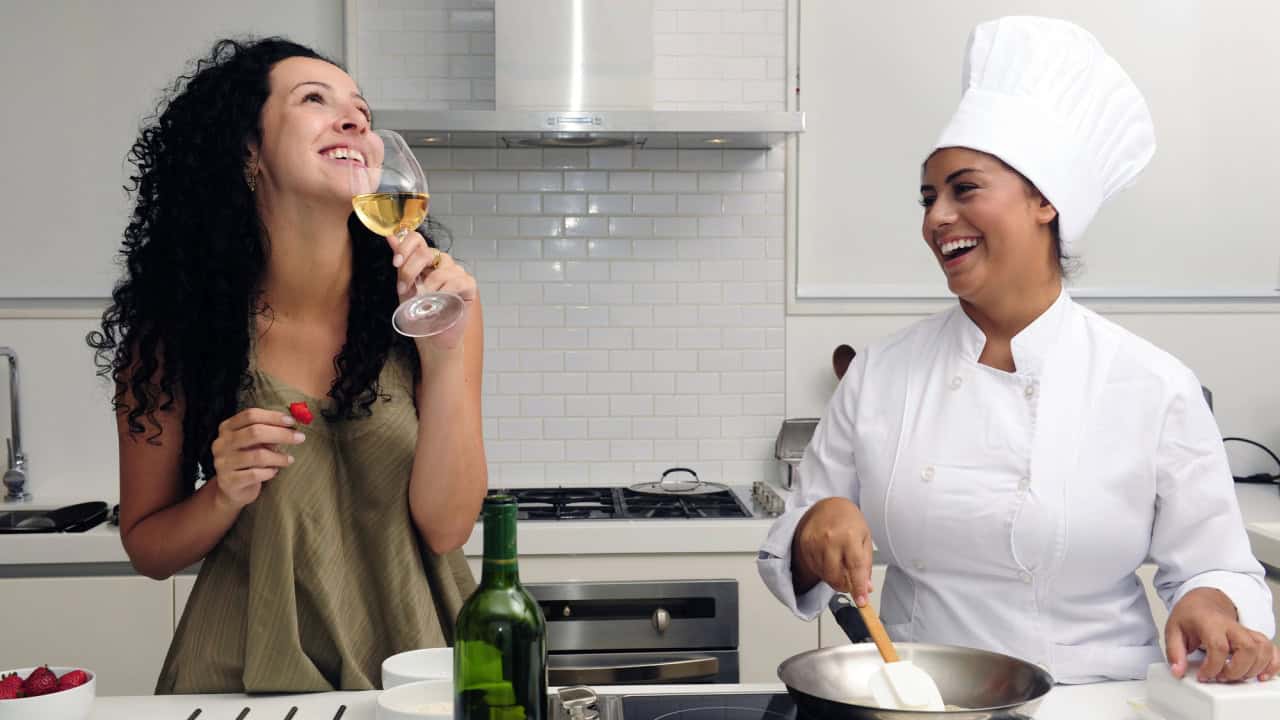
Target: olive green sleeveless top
pixel 323 576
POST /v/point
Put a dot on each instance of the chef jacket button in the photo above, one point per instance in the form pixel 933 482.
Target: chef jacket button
pixel 927 473
pixel 1024 483
pixel 1030 391
pixel 919 565
pixel 956 382
pixel 1025 577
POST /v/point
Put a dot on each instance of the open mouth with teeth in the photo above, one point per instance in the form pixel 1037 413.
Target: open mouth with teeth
pixel 953 249
pixel 344 153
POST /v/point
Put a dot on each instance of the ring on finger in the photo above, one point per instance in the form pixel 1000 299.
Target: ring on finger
pixel 435 260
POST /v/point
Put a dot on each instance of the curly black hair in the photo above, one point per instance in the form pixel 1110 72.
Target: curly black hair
pixel 194 253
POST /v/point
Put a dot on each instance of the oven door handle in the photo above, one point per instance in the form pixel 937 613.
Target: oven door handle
pixel 630 669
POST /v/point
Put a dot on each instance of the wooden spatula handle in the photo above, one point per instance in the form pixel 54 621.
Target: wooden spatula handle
pixel 876 628
pixel 881 638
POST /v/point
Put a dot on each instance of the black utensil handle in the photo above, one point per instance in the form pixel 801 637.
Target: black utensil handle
pixel 849 619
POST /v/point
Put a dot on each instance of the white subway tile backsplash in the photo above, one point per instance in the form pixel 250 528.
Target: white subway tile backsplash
pixel 520 249
pixel 586 271
pixel 650 383
pixel 565 158
pixel 693 204
pixel 542 406
pixel 541 181
pixel 567 338
pixel 520 204
pixel 608 204
pixel 560 428
pixel 635 296
pixel 631 227
pixel 566 384
pixel 674 316
pixel 609 158
pixel 609 338
pixel 656 293
pixel 604 248
pixel 587 406
pixel 631 405
pixel 520 158
pixel 653 338
pixel 720 405
pixel 564 247
pixel 630 316
pixel 587 316
pixel 539 316
pixel 541 226
pixel 567 204
pixel 609 428
pixel 562 294
pixel 586 181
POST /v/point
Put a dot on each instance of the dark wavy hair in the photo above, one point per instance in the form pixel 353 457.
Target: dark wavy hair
pixel 193 256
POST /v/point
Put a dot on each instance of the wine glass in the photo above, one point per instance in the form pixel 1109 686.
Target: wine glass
pixel 389 194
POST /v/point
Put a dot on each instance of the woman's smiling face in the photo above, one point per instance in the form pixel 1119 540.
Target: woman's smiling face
pixel 988 228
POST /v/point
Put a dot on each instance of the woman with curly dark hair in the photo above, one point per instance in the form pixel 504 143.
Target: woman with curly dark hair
pixel 248 287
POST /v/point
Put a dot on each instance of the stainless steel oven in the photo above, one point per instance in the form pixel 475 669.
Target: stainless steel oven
pixel 623 633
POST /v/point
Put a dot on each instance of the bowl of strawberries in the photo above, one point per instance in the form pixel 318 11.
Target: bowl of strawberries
pixel 47 693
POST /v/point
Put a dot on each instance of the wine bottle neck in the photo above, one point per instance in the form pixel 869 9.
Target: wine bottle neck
pixel 499 568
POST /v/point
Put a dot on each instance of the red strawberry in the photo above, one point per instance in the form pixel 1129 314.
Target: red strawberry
pixel 301 412
pixel 11 693
pixel 41 681
pixel 74 678
pixel 11 681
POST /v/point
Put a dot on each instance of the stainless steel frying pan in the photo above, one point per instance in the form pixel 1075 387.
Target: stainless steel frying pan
pixel 989 686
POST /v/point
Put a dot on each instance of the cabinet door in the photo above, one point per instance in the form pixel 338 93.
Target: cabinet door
pixel 117 627
pixel 767 632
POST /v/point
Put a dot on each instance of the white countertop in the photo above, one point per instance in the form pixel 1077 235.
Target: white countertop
pixel 1101 701
pixel 1260 505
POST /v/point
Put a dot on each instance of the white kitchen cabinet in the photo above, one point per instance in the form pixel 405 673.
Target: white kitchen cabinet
pixel 118 627
pixel 767 632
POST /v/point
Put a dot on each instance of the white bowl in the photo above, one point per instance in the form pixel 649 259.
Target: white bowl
pixel 414 665
pixel 422 700
pixel 73 704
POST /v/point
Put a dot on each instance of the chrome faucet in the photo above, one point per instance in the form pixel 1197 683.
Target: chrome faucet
pixel 15 477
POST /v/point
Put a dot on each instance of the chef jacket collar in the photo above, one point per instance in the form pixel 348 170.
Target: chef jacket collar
pixel 1030 347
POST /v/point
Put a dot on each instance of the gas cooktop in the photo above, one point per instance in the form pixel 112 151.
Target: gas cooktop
pixel 612 503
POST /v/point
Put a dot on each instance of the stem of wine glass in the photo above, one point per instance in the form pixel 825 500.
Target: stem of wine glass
pixel 401 234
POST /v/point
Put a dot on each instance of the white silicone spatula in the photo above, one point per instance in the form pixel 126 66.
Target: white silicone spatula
pixel 898 684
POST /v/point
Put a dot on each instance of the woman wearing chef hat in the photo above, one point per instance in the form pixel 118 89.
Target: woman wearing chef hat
pixel 1018 457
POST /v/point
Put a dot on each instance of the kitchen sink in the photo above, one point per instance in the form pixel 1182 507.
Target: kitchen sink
pixel 71 518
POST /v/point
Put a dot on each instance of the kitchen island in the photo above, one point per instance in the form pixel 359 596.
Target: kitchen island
pixel 1101 701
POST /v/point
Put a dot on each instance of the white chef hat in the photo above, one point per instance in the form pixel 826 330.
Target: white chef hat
pixel 1044 97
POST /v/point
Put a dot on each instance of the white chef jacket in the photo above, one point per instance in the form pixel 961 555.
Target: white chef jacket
pixel 1014 508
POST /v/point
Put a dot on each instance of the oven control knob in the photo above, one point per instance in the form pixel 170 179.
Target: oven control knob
pixel 661 620
pixel 566 612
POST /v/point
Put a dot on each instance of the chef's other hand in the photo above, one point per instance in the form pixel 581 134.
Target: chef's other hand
pixel 832 543
pixel 249 451
pixel 1206 618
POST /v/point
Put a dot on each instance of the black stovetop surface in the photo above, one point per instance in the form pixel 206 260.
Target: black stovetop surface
pixel 608 503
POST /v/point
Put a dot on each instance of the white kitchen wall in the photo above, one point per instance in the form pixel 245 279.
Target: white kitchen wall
pixel 634 307
pixel 439 54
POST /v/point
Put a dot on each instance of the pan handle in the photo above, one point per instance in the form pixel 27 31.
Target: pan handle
pixel 848 618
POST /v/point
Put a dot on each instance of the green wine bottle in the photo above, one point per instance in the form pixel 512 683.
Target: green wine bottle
pixel 500 647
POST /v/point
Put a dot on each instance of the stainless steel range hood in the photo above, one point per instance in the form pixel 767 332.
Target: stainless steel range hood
pixel 581 74
pixel 649 129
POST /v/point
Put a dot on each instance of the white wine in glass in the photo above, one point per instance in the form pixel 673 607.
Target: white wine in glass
pixel 389 195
